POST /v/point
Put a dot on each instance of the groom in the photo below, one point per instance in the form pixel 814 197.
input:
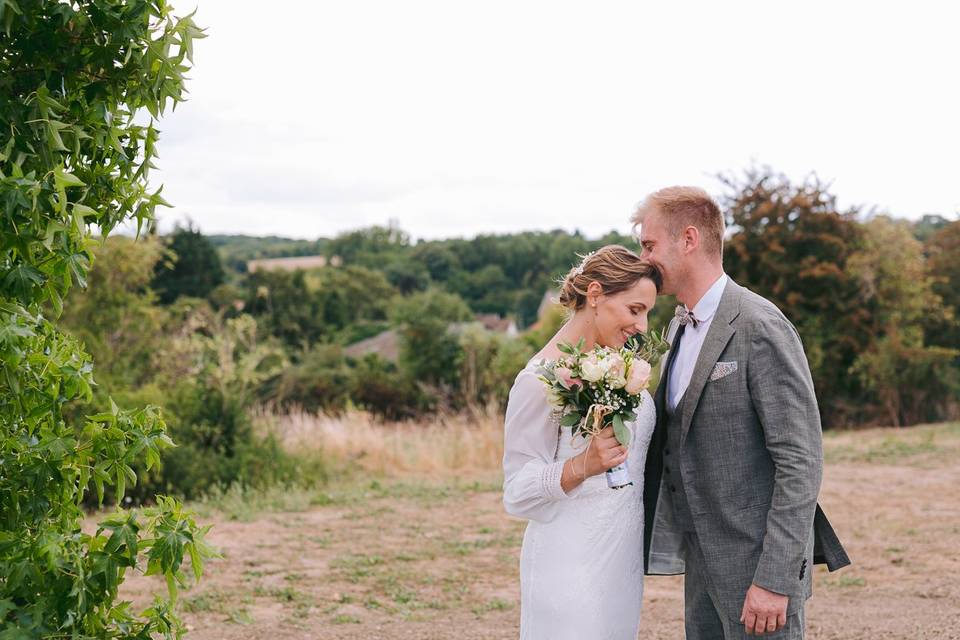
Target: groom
pixel 734 468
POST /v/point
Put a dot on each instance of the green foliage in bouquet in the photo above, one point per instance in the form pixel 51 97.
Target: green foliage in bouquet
pixel 74 153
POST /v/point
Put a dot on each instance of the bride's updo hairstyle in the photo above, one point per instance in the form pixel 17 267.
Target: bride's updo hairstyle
pixel 615 267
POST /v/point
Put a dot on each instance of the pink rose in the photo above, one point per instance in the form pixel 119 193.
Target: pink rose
pixel 566 378
pixel 639 377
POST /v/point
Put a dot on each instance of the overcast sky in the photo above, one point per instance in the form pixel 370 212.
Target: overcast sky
pixel 309 118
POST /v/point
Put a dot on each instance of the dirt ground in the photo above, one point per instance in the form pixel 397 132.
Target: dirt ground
pixel 412 559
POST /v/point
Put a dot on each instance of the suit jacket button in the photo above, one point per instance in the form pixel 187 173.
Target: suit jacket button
pixel 666 452
pixel 673 489
pixel 667 470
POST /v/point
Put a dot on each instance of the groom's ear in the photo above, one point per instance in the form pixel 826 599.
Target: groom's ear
pixel 691 239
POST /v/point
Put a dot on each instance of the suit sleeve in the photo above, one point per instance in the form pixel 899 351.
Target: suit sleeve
pixel 531 477
pixel 781 390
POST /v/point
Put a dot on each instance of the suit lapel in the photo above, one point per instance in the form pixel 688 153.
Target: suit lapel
pixel 717 338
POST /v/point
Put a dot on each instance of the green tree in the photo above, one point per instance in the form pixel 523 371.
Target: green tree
pixel 75 152
pixel 213 369
pixel 429 352
pixel 943 266
pixel 928 225
pixel 305 307
pixel 791 244
pixel 371 247
pixel 489 364
pixel 193 268
pixel 439 260
pixel 379 386
pixel 318 382
pixel 407 275
pixel 285 308
pixel 905 378
pixel 116 317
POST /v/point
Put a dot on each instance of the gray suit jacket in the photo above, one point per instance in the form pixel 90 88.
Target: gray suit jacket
pixel 751 459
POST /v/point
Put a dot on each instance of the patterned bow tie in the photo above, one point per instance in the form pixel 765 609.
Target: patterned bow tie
pixel 685 316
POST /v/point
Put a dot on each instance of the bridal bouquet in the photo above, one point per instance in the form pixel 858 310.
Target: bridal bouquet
pixel 601 387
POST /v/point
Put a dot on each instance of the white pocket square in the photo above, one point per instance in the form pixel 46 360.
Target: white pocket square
pixel 722 369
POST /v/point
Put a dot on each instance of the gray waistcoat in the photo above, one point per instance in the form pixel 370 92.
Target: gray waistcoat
pixel 671 470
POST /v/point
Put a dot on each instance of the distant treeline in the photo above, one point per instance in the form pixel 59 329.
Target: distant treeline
pixel 177 320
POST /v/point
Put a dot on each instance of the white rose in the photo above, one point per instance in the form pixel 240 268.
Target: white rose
pixel 591 369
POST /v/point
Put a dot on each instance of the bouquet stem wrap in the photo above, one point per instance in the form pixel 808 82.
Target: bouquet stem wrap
pixel 618 476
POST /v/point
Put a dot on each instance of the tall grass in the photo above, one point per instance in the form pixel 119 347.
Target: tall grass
pixel 444 445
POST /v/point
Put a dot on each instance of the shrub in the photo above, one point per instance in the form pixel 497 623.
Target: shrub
pixel 380 387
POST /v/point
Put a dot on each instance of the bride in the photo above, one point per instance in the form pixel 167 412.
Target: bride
pixel 581 565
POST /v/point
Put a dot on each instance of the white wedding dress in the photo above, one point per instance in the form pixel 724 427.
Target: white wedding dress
pixel 581 565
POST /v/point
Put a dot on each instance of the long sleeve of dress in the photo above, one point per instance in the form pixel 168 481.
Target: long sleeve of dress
pixel 531 476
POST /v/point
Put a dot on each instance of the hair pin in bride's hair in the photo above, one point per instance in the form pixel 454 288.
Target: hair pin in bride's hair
pixel 583 261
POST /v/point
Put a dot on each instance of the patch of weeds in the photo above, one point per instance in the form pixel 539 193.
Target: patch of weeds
pixel 289 522
pixel 459 548
pixel 354 567
pixel 240 616
pixel 205 602
pixel 370 512
pixel 466 547
pixel 324 499
pixel 401 595
pixel 491 605
pixel 510 541
pixel 241 503
pixel 345 619
pixel 893 449
pixel 427 493
pixel 845 582
pixel 321 541
pixel 294 577
pixel 899 447
pixel 457 587
pixel 851 581
pixel 285 595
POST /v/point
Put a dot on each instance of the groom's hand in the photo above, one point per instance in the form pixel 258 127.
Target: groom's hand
pixel 763 611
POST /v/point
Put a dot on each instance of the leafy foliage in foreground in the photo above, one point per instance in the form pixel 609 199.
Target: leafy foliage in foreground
pixel 73 77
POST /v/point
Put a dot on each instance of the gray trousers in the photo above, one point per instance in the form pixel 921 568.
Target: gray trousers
pixel 703 615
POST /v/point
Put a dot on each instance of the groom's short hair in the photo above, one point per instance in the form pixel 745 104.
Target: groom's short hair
pixel 683 207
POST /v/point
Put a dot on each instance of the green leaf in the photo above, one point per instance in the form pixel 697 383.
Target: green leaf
pixel 570 419
pixel 22 279
pixel 620 430
pixel 64 179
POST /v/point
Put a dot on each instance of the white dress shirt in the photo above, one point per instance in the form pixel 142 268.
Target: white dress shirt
pixel 681 369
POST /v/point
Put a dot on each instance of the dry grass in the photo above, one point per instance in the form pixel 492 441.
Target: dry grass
pixel 442 446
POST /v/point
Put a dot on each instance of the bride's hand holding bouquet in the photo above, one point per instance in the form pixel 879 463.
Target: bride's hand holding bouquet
pixel 598 391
